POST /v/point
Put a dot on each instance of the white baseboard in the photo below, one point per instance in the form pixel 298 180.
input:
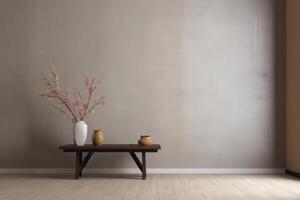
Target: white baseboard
pixel 149 170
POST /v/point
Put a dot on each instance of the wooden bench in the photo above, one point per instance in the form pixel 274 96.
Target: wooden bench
pixel 90 149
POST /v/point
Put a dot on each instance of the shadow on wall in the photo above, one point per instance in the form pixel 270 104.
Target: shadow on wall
pixel 279 147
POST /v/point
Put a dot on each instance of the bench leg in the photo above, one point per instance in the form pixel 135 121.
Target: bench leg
pixel 141 165
pixel 144 165
pixel 80 159
pixel 77 164
pixel 85 161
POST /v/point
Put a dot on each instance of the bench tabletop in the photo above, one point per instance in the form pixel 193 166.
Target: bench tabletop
pixel 110 148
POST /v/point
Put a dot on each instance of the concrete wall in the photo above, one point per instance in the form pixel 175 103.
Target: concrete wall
pixel 293 83
pixel 204 78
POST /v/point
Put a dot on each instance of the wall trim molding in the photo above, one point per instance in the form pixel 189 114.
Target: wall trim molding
pixel 149 170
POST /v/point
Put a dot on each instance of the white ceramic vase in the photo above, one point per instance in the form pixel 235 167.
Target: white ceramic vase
pixel 80 133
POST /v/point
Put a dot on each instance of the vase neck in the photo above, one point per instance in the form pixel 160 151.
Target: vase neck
pixel 80 122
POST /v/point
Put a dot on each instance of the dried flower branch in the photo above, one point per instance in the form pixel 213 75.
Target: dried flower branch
pixel 76 106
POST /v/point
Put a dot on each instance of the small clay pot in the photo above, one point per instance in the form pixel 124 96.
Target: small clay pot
pixel 145 140
pixel 97 138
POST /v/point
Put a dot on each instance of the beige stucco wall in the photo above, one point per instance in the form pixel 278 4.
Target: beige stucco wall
pixel 203 77
pixel 293 85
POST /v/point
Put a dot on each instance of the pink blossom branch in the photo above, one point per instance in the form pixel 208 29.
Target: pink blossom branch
pixel 98 102
pixel 77 106
pixel 68 116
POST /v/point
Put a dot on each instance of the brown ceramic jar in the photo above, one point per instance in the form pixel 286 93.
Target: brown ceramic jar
pixel 97 138
pixel 145 140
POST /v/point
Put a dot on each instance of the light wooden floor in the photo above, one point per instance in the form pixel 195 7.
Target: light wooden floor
pixel 163 187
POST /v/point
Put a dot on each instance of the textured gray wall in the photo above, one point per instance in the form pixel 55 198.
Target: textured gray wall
pixel 203 77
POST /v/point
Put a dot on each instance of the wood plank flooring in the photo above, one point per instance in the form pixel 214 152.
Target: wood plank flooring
pixel 156 187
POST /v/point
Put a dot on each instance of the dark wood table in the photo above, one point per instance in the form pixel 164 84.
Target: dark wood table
pixel 90 149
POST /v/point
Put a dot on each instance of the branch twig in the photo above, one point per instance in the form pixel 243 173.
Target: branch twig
pixel 77 107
